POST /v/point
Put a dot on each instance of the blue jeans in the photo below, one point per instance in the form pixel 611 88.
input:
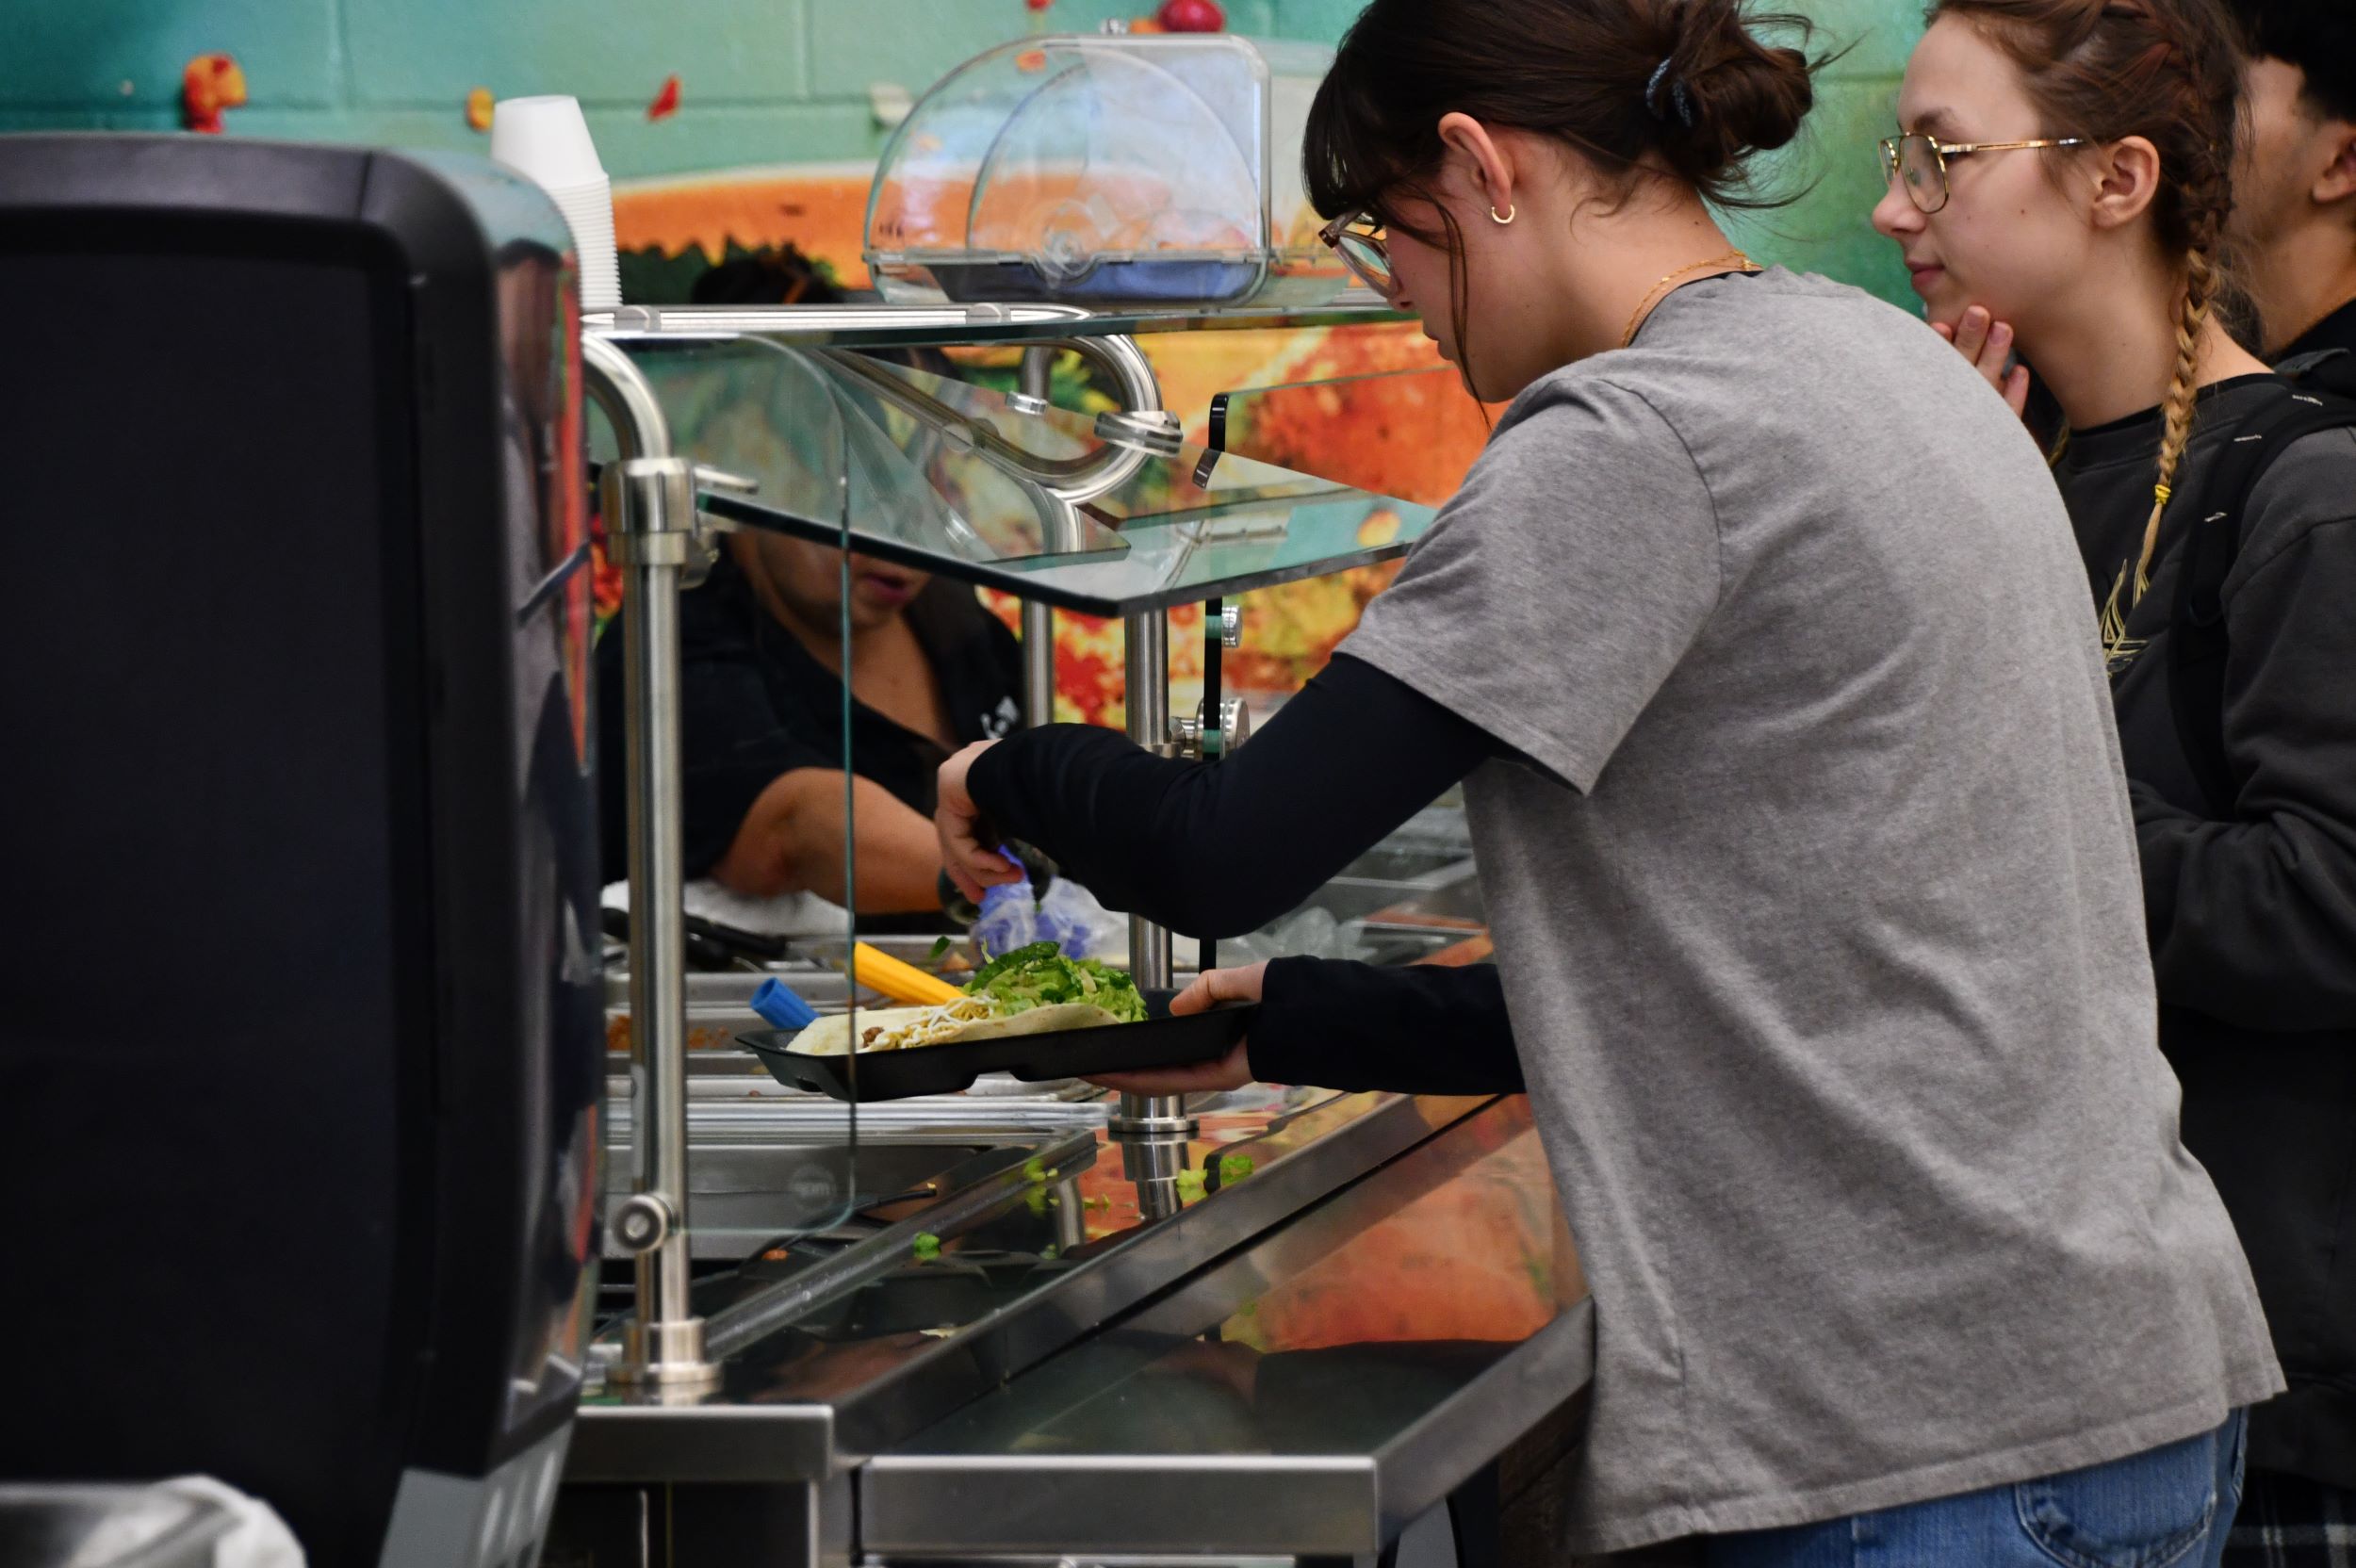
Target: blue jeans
pixel 2164 1508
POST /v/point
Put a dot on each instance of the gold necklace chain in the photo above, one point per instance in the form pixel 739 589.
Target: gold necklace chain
pixel 1734 260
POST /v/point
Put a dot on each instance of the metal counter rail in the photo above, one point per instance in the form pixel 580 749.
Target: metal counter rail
pixel 781 1416
pixel 882 326
pixel 1216 1449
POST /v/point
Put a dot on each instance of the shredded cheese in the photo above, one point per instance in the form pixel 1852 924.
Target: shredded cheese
pixel 935 1025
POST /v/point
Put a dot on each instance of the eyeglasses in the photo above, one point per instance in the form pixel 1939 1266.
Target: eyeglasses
pixel 1921 162
pixel 1362 242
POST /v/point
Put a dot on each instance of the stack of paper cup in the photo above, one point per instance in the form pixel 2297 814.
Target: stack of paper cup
pixel 546 140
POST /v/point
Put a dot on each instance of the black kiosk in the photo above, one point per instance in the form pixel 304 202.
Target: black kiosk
pixel 300 1014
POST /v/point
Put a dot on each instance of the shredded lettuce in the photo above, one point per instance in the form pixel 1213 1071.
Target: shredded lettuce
pixel 1013 958
pixel 1040 976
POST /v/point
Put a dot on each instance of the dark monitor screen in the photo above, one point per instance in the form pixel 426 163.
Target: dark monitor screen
pixel 210 786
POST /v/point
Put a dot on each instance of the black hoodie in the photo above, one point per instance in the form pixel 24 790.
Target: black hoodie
pixel 2335 331
pixel 2253 919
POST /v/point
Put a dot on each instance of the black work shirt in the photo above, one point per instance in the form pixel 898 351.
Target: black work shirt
pixel 754 705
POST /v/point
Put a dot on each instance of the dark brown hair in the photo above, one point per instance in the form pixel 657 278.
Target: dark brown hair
pixel 1685 86
pixel 2167 70
pixel 2317 36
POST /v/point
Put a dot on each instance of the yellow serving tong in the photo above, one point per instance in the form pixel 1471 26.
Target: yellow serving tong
pixel 880 972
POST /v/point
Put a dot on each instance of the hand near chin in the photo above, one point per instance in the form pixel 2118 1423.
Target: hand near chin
pixel 1988 344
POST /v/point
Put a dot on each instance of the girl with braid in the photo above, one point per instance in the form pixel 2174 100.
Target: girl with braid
pixel 2061 194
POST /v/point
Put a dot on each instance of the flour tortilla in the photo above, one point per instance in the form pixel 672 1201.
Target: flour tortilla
pixel 831 1036
pixel 1053 1019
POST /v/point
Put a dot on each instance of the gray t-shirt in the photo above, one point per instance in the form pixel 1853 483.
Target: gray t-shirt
pixel 1829 975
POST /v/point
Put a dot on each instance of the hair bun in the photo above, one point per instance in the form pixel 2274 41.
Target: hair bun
pixel 1638 89
pixel 1725 94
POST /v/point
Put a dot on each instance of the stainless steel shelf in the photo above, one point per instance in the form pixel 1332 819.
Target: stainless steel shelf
pixel 882 326
pixel 1190 1438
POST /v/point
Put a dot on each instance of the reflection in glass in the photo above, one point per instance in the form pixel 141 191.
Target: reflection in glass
pixel 1395 421
pixel 858 460
pixel 1094 516
pixel 1337 1333
pixel 545 539
pixel 746 1195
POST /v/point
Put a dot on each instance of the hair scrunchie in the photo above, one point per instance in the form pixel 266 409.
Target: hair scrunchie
pixel 1678 96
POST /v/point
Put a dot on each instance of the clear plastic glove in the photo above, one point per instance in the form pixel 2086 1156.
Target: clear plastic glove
pixel 1009 917
pixel 1311 933
pixel 1070 915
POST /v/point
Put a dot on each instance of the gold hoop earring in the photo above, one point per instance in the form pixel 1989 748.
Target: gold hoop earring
pixel 1511 213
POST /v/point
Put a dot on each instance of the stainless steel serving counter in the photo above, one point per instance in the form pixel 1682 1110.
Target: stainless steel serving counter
pixel 1293 1318
pixel 1370 1298
pixel 1308 1397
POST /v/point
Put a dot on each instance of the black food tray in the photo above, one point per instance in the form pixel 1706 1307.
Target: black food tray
pixel 1159 1040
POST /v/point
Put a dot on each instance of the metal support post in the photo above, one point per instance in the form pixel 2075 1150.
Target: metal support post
pixel 1151 1131
pixel 1039 620
pixel 648 498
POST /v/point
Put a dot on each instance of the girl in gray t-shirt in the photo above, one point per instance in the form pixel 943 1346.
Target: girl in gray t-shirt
pixel 1799 816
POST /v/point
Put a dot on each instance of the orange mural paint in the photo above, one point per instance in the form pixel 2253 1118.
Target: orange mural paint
pixel 208 85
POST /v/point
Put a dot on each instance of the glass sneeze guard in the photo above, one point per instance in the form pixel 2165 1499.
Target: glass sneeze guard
pixel 744 1192
pixel 1098 517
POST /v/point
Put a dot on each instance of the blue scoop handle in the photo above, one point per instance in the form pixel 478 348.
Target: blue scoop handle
pixel 782 1009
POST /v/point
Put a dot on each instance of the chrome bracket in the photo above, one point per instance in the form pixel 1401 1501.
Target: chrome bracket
pixel 1186 733
pixel 1146 429
pixel 643 1222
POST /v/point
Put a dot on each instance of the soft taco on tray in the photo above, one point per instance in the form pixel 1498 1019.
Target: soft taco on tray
pixel 1031 991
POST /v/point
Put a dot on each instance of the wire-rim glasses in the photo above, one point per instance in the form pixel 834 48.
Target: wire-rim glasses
pixel 1921 162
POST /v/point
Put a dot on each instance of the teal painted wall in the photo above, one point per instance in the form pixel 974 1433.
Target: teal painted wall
pixel 1835 164
pixel 763 81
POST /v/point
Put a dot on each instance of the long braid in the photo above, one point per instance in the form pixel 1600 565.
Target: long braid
pixel 2177 411
pixel 2176 416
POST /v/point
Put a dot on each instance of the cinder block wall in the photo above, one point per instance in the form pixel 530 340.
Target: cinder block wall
pixel 761 81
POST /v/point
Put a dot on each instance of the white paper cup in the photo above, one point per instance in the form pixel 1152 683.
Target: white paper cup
pixel 546 138
pixel 548 141
pixel 587 207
